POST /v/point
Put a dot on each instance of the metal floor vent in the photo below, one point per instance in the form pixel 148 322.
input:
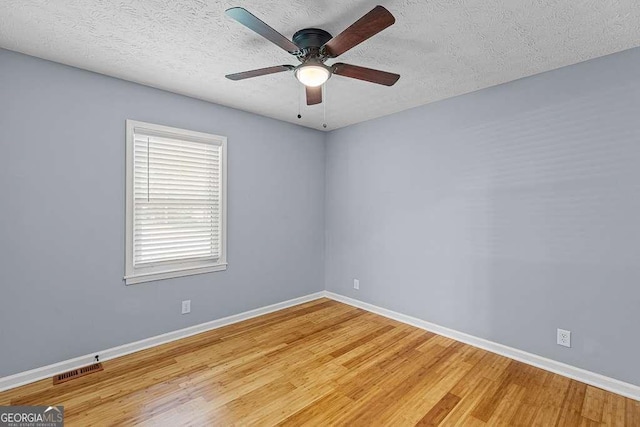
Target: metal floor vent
pixel 77 373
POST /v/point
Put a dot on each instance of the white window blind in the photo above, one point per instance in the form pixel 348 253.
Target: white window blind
pixel 177 213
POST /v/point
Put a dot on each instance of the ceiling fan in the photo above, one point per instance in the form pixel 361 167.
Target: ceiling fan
pixel 313 46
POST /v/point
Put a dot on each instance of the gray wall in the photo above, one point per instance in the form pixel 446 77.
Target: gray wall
pixel 505 213
pixel 62 175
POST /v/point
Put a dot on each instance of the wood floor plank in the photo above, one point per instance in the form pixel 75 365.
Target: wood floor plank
pixel 357 343
pixel 439 412
pixel 613 413
pixel 593 404
pixel 441 377
pixel 319 412
pixel 632 415
pixel 469 400
pixel 324 363
pixel 571 412
pixel 485 409
pixel 508 406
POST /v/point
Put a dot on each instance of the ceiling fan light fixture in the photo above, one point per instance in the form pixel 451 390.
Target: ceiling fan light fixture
pixel 312 75
pixel 313 46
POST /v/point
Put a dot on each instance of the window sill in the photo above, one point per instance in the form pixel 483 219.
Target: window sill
pixel 171 274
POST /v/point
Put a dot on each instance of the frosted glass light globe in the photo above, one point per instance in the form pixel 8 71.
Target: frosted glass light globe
pixel 312 75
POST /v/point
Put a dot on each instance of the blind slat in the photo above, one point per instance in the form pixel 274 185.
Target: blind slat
pixel 178 226
pixel 175 143
pixel 172 202
pixel 141 150
pixel 154 251
pixel 175 258
pixel 173 240
pixel 180 165
pixel 170 178
pixel 156 155
pixel 210 188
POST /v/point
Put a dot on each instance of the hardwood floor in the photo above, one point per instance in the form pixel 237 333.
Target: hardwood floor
pixel 324 363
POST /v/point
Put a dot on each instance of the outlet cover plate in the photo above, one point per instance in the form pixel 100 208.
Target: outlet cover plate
pixel 186 306
pixel 356 284
pixel 564 338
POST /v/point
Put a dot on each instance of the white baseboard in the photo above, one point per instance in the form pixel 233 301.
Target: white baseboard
pixel 48 371
pixel 610 384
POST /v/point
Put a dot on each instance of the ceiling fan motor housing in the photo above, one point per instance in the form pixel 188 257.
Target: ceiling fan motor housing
pixel 309 38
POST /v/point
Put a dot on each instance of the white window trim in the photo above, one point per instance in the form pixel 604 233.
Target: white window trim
pixel 187 268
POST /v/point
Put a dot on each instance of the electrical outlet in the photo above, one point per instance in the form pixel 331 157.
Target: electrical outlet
pixel 186 306
pixel 564 338
pixel 356 284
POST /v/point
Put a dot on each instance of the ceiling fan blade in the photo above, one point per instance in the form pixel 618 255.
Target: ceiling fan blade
pixel 259 72
pixel 250 21
pixel 367 74
pixel 369 25
pixel 314 95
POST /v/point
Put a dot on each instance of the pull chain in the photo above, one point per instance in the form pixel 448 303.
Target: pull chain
pixel 324 106
pixel 299 102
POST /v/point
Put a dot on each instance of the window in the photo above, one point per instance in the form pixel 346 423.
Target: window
pixel 176 202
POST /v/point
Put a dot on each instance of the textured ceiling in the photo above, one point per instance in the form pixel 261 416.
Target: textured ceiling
pixel 442 48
